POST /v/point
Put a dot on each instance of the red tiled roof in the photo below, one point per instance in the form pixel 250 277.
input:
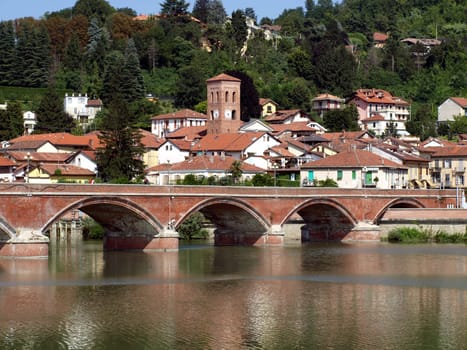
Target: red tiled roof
pixel 42 157
pixel 374 118
pixel 263 101
pixel 181 114
pixel 461 101
pixel 182 145
pixel 205 163
pixel 94 103
pixel 227 142
pixel 378 96
pixel 283 115
pixel 347 135
pixel 282 151
pixel 353 159
pixel 30 145
pixel 66 170
pixel 448 151
pixel 380 36
pixel 188 132
pixel 6 162
pixel 326 97
pixel 297 126
pixel 58 139
pixel 149 140
pixel 222 77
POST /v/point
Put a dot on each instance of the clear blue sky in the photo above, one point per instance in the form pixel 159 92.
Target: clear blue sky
pixel 11 9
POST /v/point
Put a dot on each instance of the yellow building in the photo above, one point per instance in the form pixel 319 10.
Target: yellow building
pixel 55 173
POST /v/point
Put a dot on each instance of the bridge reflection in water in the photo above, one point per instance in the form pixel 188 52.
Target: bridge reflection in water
pixel 336 296
pixel 146 217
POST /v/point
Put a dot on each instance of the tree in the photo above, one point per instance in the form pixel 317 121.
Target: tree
pixel 50 114
pixel 201 10
pixel 249 97
pixel 8 50
pixel 192 227
pixel 342 119
pixel 236 171
pixel 97 9
pixel 190 89
pixel 250 12
pixel 174 8
pixel 120 160
pixel 423 122
pixel 216 13
pixel 132 77
pixel 238 29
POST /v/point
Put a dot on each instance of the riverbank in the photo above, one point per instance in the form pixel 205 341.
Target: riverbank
pixel 422 235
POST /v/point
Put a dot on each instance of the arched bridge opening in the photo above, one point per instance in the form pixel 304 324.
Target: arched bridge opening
pixel 405 203
pixel 125 224
pixel 235 222
pixel 323 220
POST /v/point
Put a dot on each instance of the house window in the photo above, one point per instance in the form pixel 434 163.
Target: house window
pixel 234 95
pixel 447 163
pixel 354 175
pixel 226 96
pixel 339 175
pixel 269 109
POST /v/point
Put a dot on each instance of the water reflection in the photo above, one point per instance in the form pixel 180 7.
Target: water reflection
pixel 326 296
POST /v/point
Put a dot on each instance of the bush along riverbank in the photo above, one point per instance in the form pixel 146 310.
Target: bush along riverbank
pixel 423 235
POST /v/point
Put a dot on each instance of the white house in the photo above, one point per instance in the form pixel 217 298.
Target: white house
pixel 288 117
pixel 237 145
pixel 371 102
pixel 84 159
pixel 82 108
pixel 163 124
pixel 326 102
pixel 355 169
pixel 174 151
pixel 453 106
pixel 30 121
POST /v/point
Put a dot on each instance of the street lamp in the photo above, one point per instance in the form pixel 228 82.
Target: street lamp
pixel 28 158
pixel 274 166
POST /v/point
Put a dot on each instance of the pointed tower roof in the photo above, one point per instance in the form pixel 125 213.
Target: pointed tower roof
pixel 223 77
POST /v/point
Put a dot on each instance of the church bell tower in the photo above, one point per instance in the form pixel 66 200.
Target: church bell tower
pixel 223 108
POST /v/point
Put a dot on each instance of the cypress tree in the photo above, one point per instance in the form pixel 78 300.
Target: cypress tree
pixel 8 50
pixel 50 114
pixel 120 160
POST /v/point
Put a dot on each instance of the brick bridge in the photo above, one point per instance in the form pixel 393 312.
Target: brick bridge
pixel 147 217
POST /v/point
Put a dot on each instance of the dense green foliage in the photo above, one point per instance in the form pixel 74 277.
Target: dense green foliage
pixel 323 47
pixel 92 229
pixel 421 235
pixel 193 227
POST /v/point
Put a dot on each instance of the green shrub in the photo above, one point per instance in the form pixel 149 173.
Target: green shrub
pixel 92 230
pixel 408 235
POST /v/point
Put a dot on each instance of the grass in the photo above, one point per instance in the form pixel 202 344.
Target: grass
pixel 423 235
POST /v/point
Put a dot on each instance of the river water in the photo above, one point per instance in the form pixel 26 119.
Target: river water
pixel 314 296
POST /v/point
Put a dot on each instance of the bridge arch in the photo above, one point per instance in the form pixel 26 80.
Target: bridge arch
pixel 116 215
pixel 324 219
pixel 398 203
pixel 236 221
pixel 6 231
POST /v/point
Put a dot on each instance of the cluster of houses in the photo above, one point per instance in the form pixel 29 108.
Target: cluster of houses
pixel 287 144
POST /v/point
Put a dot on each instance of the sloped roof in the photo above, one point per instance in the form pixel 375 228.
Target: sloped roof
pixel 32 144
pixel 57 139
pixel 461 101
pixel 374 118
pixel 347 135
pixel 181 114
pixel 297 126
pixel 42 157
pixel 6 162
pixel 377 36
pixel 283 115
pixel 66 170
pixel 222 77
pixel 188 132
pixel 448 151
pixel 227 142
pixel 353 159
pixel 149 140
pixel 326 97
pixel 263 101
pixel 204 163
pixel 378 96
